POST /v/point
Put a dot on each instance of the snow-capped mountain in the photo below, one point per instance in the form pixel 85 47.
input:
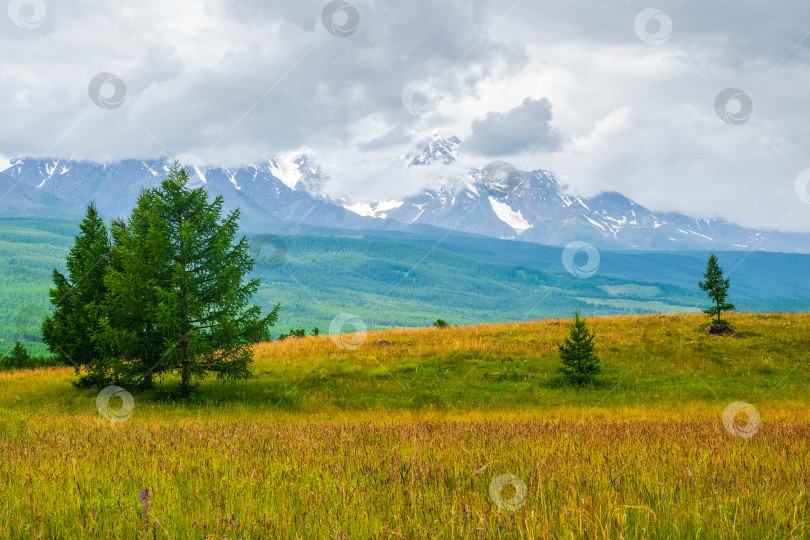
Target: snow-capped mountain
pixel 272 191
pixel 495 200
pixel 434 150
pixel 500 201
pixel 298 171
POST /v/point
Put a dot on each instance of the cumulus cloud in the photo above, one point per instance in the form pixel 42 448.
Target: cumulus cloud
pixel 526 127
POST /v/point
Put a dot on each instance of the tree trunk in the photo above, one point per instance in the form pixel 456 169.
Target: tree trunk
pixel 185 381
pixel 185 375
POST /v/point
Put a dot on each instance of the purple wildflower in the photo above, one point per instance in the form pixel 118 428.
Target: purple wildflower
pixel 146 506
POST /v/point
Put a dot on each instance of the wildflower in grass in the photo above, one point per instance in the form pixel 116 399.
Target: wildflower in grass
pixel 146 506
pixel 146 501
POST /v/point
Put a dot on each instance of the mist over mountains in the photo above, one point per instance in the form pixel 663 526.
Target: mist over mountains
pixel 495 200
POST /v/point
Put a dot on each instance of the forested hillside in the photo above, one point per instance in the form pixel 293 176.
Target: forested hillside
pixel 409 282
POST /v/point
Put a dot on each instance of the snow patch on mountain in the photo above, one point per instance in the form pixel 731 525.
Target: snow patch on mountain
pixel 201 175
pixel 595 223
pixel 150 169
pixel 511 217
pixel 376 209
pixel 285 168
pixel 232 178
pixel 695 233
pixel 50 168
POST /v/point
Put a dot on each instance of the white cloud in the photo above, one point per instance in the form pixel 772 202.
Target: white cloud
pixel 234 82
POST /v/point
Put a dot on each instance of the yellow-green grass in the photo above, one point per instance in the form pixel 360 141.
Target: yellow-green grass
pixel 403 439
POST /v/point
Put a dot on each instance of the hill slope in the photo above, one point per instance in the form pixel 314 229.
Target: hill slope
pixel 650 362
pixel 659 361
pixel 396 279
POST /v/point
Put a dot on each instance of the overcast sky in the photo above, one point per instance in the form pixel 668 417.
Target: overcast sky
pixel 609 95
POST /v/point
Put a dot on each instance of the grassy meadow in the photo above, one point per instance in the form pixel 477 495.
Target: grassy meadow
pixel 408 436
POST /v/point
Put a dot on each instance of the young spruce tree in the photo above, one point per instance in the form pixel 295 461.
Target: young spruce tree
pixel 717 289
pixel 579 363
pixel 18 358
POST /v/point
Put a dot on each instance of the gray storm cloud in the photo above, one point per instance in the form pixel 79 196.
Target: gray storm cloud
pixel 526 127
pixel 234 82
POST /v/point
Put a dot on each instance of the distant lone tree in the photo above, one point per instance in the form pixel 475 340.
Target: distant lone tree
pixel 579 363
pixel 717 289
pixel 440 323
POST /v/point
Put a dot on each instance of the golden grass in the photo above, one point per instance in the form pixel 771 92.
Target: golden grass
pixel 411 342
pixel 654 462
pixel 530 337
pixel 364 479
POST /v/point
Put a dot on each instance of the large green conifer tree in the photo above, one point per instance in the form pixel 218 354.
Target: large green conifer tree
pixel 129 332
pixel 177 299
pixel 77 297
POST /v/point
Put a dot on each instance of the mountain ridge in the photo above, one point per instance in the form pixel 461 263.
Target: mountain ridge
pixel 496 201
